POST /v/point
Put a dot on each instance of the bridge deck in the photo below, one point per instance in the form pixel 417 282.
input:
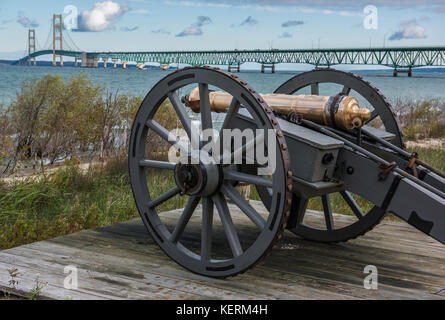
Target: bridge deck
pixel 123 262
pixel 392 57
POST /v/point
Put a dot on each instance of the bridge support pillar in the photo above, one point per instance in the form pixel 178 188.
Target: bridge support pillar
pixel 234 67
pixel 105 63
pixel 409 72
pixel 75 62
pixel 124 64
pixel 115 63
pixel 265 66
pixel 89 62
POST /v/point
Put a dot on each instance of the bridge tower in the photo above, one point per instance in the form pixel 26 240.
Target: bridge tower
pixel 57 39
pixel 31 45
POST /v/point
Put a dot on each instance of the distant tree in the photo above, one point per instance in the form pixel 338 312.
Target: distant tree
pixel 108 121
pixel 26 111
pixel 5 134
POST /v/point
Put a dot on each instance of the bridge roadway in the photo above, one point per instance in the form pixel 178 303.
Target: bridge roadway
pixel 396 58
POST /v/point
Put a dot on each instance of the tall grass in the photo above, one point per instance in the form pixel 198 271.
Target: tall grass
pixel 421 119
pixel 62 202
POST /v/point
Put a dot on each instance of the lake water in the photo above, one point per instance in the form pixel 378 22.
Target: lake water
pixel 423 85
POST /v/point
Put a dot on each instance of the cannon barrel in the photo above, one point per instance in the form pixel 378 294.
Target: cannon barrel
pixel 334 111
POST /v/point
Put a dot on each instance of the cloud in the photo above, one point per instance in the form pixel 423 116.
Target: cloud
pixel 128 29
pixel 249 21
pixel 160 31
pixel 141 11
pixel 292 23
pixel 198 4
pixel 410 29
pixel 102 16
pixel 190 31
pixel 411 32
pixel 285 35
pixel 337 3
pixel 196 28
pixel 25 21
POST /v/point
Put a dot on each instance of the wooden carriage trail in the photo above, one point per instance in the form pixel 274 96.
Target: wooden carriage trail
pixel 123 262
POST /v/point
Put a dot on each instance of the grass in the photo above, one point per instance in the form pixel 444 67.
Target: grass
pixel 421 119
pixel 63 202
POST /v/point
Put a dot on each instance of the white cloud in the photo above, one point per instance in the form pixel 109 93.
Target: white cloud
pixel 102 16
pixel 129 29
pixel 196 28
pixel 25 21
pixel 410 29
pixel 249 21
pixel 140 11
pixel 292 23
pixel 285 35
pixel 190 31
pixel 161 31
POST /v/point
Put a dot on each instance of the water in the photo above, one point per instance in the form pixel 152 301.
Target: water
pixel 423 85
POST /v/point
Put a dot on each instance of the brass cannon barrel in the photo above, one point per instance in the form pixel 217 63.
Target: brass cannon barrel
pixel 334 111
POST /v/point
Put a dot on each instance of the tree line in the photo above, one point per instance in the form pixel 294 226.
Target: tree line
pixel 53 119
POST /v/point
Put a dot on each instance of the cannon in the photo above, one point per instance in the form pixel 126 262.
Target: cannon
pixel 345 145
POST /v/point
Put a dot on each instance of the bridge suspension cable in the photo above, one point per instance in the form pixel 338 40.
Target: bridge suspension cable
pixel 47 45
pixel 69 43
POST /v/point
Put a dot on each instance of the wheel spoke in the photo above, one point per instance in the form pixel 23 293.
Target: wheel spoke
pixel 184 219
pixel 374 114
pixel 328 211
pixel 253 215
pixel 166 135
pixel 229 227
pixel 180 110
pixel 164 197
pixel 249 178
pixel 206 229
pixel 315 90
pixel 346 90
pixel 243 150
pixel 352 204
pixel 206 112
pixel 157 164
pixel 299 208
pixel 232 111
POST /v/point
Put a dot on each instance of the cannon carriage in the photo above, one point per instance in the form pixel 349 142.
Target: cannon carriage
pixel 328 146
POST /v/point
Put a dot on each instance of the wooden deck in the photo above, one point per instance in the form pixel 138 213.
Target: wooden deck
pixel 123 262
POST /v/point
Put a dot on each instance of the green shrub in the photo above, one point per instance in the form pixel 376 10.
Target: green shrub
pixel 422 119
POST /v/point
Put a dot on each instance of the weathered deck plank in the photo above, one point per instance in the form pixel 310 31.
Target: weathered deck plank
pixel 123 262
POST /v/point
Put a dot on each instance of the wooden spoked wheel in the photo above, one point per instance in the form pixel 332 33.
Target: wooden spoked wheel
pixel 204 187
pixel 324 228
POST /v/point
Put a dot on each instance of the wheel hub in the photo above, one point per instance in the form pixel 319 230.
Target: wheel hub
pixel 198 179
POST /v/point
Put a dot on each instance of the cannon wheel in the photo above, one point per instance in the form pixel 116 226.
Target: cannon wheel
pixel 366 221
pixel 197 253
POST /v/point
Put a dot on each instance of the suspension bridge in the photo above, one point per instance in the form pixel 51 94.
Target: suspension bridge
pixel 401 59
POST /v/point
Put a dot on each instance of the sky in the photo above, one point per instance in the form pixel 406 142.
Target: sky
pixel 149 25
